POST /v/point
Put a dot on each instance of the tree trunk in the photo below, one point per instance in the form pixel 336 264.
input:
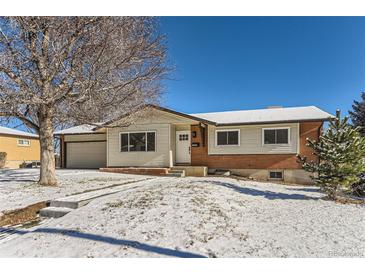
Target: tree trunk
pixel 48 165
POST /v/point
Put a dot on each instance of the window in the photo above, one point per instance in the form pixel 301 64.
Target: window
pixel 183 137
pixel 276 175
pixel 137 141
pixel 276 136
pixel 227 137
pixel 23 143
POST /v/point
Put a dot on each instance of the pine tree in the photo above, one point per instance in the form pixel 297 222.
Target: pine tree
pixel 340 151
pixel 358 114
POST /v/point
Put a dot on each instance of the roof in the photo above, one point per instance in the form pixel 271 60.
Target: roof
pixel 81 129
pixel 266 116
pixel 240 117
pixel 11 131
pixel 159 108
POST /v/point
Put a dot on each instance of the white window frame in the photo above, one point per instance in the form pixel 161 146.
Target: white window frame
pixel 24 145
pixel 271 128
pixel 227 130
pixel 130 132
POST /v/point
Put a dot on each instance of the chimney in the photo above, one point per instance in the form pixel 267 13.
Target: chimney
pixel 271 107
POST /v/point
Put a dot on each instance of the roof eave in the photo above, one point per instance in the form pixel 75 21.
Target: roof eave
pixel 19 135
pixel 79 133
pixel 162 109
pixel 275 122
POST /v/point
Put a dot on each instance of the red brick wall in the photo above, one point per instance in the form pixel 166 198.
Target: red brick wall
pixel 199 155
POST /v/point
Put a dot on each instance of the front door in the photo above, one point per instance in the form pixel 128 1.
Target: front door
pixel 183 147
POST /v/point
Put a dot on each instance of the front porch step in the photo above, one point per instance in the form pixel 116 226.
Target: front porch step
pixel 175 173
pixel 54 212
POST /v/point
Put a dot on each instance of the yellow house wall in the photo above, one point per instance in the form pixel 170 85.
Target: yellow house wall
pixel 18 154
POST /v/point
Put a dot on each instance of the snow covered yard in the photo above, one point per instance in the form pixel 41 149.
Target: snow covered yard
pixel 199 217
pixel 19 188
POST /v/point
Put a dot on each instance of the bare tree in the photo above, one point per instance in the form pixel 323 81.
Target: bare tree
pixel 57 70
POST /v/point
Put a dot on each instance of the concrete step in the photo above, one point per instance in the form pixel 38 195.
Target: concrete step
pixel 62 206
pixel 176 171
pixel 66 204
pixel 54 212
pixel 79 200
pixel 196 171
pixel 173 175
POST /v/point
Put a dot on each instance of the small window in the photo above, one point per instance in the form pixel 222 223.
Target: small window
pixel 183 137
pixel 23 143
pixel 229 137
pixel 276 175
pixel 276 136
pixel 137 141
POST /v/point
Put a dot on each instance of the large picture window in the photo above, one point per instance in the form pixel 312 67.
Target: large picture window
pixel 275 136
pixel 138 141
pixel 228 137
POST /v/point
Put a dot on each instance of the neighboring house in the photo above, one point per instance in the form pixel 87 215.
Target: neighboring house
pixel 259 143
pixel 19 146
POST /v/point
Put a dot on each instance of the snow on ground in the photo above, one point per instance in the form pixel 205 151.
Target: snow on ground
pixel 19 188
pixel 193 217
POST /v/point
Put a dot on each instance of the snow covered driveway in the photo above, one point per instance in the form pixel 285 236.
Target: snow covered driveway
pixel 19 188
pixel 200 217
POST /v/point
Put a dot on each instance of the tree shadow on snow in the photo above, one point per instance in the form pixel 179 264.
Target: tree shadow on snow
pixel 109 240
pixel 266 194
pixel 10 175
pixel 312 190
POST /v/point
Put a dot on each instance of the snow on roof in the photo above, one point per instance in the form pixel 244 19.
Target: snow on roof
pixel 256 116
pixel 81 129
pixel 11 131
pixel 271 115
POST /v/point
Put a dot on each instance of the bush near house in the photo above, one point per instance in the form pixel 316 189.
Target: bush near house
pixel 340 151
pixel 2 159
pixel 358 189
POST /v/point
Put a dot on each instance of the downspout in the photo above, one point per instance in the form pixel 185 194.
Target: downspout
pixel 62 151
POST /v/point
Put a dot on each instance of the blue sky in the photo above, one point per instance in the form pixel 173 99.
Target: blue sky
pixel 232 63
pixel 229 63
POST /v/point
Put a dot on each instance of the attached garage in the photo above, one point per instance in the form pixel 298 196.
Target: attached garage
pixel 86 154
pixel 83 150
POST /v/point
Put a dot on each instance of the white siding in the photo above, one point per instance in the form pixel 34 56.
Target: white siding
pixel 85 137
pixel 251 140
pixel 158 158
pixel 164 125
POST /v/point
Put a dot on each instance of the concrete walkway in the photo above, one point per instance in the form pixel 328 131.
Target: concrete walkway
pixel 61 206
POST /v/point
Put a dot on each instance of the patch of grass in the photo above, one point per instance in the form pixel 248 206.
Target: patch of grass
pixel 144 200
pixel 115 204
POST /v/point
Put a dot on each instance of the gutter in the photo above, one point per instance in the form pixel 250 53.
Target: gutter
pixel 273 122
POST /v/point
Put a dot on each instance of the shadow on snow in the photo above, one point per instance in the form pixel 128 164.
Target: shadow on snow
pixel 270 195
pixel 109 240
pixel 9 175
